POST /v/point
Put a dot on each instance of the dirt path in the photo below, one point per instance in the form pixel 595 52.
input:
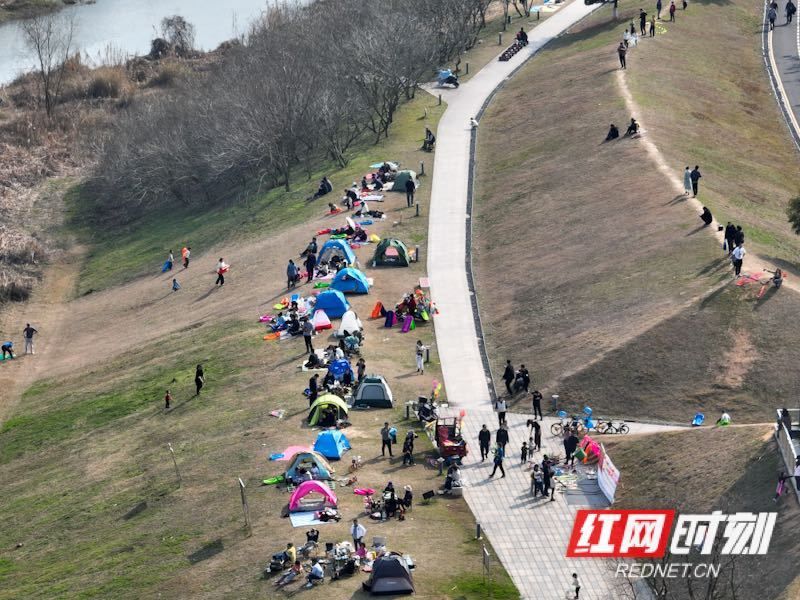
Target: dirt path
pixel 753 263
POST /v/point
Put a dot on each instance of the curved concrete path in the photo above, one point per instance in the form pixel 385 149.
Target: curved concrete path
pixel 783 53
pixel 530 538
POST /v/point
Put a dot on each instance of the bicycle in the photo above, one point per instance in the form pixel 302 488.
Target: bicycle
pixel 609 427
pixel 564 423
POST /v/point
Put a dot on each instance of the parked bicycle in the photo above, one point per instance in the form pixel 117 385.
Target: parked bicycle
pixel 609 427
pixel 567 422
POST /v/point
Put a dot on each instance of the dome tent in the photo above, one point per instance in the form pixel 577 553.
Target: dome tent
pixel 337 247
pixel 332 444
pixel 333 303
pixel 350 323
pixel 350 281
pixel 373 392
pixel 390 575
pixel 323 402
pixel 306 460
pixel 391 253
pixel 399 184
pixel 321 321
pixel 297 503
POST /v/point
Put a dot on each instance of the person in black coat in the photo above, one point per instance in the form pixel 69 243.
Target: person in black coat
pixel 199 379
pixel 706 217
pixel 738 237
pixel 537 404
pixel 537 436
pixel 730 236
pixel 313 388
pixel 311 262
pixel 501 437
pixel 411 187
pixel 484 439
pixel 547 475
pixel 508 377
pixel 570 445
pixel 613 133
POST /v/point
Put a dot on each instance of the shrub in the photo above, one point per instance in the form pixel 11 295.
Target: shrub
pixel 793 212
pixel 106 83
pixel 167 76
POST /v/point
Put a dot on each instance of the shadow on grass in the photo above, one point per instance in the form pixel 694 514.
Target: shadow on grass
pixel 208 551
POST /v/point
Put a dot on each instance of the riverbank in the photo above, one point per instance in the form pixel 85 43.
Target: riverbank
pixel 25 9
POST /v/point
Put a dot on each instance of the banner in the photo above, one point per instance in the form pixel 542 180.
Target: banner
pixel 607 475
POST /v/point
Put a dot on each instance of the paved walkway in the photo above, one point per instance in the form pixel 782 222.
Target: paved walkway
pixel 529 537
pixel 783 46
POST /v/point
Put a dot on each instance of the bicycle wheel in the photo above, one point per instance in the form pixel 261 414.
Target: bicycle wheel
pixel 556 429
pixel 624 428
pixel 602 428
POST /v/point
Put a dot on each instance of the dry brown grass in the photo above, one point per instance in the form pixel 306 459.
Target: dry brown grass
pixel 731 469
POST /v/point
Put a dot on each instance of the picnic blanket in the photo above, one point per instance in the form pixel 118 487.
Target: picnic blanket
pixel 306 519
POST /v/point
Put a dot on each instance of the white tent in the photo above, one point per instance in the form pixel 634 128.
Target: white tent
pixel 350 323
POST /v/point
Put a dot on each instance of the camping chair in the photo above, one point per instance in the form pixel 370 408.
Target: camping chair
pixel 379 543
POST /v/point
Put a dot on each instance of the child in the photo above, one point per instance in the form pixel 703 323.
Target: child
pixel 537 482
pixel 781 485
pixel 175 285
pixel 531 446
pixel 523 453
pixel 167 399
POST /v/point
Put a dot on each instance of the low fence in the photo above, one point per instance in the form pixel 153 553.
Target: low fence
pixel 786 445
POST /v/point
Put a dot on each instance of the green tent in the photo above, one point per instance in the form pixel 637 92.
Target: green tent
pixel 326 401
pixel 400 179
pixel 391 253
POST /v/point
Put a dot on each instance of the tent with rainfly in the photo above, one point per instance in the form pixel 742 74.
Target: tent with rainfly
pixel 399 184
pixel 333 303
pixel 332 444
pixel 326 401
pixel 300 501
pixel 306 460
pixel 373 392
pixel 350 281
pixel 391 253
pixel 390 575
pixel 340 248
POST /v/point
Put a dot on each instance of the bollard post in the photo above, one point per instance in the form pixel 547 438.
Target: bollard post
pixel 555 403
pixel 440 99
pixel 421 167
pixel 500 39
pixel 417 213
pixel 466 71
pixel 407 411
pixel 477 531
pixel 416 259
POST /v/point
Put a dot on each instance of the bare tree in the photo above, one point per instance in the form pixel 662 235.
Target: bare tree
pixel 179 34
pixel 50 38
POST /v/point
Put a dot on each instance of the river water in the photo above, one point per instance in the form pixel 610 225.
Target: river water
pixel 126 27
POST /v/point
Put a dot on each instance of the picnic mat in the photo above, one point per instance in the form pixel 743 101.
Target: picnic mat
pixel 306 519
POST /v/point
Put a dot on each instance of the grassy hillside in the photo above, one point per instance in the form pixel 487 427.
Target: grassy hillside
pixel 592 270
pixel 701 470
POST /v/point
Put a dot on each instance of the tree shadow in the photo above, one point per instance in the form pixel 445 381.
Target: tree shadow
pixel 208 551
pixel 677 199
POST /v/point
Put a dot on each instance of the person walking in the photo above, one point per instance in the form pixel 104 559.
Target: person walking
pixel 419 354
pixel 170 261
pixel 27 335
pixel 501 437
pixel 308 331
pixel 313 389
pixel 642 22
pixel 167 400
pixel 658 9
pixel 695 177
pixel 537 404
pixel 790 10
pixel 357 532
pixel 508 377
pixel 537 436
pixel 408 448
pixel 772 14
pixel 500 407
pixel 523 453
pixel 737 257
pixel 386 440
pixel 738 237
pixel 672 11
pixel 575 584
pixel 797 472
pixel 292 274
pixel 687 181
pixel 730 236
pixel 652 26
pixel 484 439
pixel 310 263
pixel 621 51
pixel 199 379
pixel 186 254
pixel 499 454
pixel 411 187
pixel 222 268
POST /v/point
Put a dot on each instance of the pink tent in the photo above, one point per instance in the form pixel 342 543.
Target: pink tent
pixel 321 321
pixel 310 487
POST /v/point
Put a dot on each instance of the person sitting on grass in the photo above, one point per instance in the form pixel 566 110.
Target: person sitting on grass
pixel 633 127
pixel 325 187
pixel 724 420
pixel 613 133
pixel 706 217
pixel 777 277
pixel 289 576
pixel 279 324
pixel 316 574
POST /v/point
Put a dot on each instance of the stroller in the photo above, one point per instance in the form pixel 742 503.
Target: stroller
pixel 447 78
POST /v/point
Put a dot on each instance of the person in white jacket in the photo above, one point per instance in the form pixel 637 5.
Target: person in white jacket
pixel 357 532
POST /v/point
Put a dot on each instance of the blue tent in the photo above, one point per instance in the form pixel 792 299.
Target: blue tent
pixel 331 444
pixel 333 303
pixel 333 248
pixel 350 281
